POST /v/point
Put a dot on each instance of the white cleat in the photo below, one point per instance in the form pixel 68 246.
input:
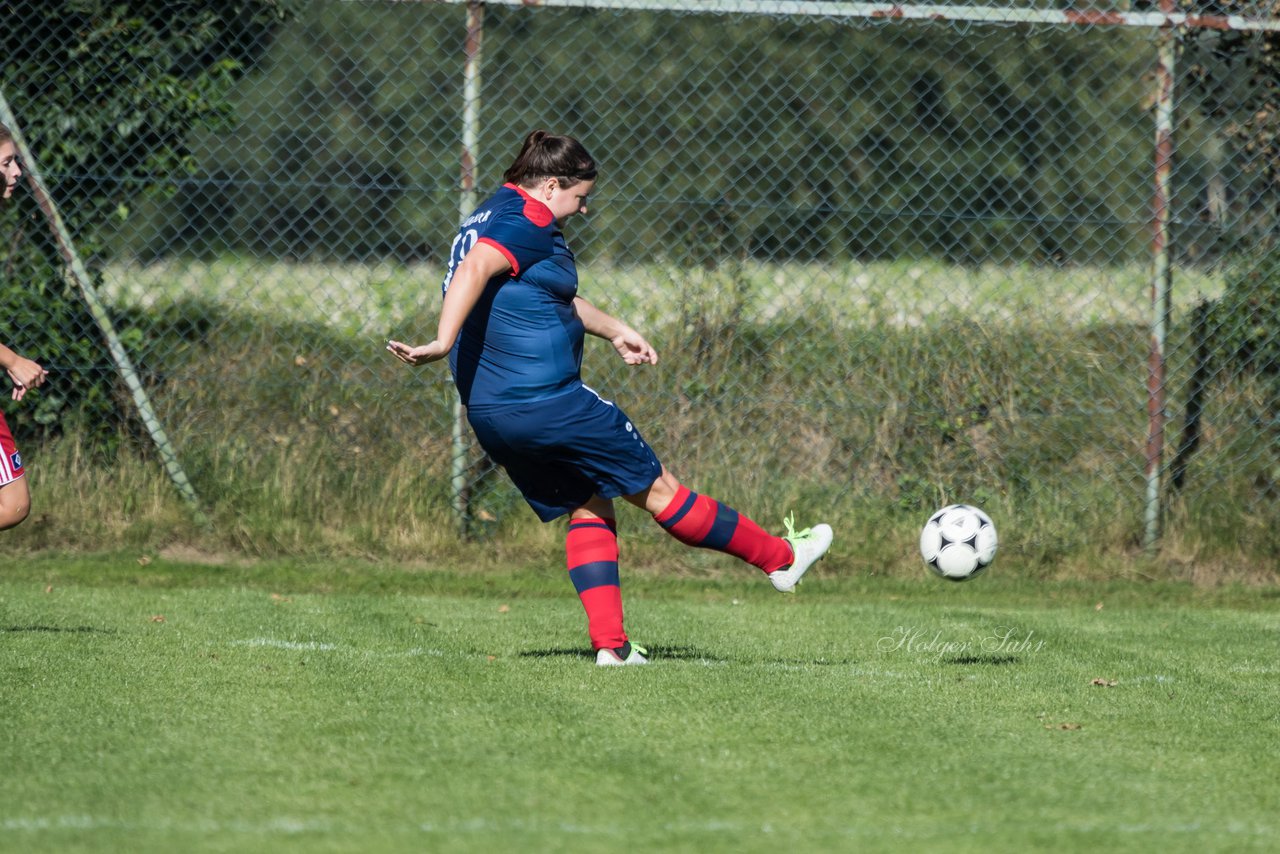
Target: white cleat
pixel 808 547
pixel 628 653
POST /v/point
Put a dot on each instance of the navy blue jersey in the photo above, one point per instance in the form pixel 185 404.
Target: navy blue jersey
pixel 523 340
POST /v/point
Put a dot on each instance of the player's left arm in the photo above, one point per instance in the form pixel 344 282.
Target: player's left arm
pixel 631 345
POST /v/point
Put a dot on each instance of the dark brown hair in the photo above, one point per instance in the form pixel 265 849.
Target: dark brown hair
pixel 546 155
pixel 5 135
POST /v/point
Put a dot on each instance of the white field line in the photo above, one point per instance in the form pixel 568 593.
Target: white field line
pixel 280 825
pixel 280 644
pixel 320 646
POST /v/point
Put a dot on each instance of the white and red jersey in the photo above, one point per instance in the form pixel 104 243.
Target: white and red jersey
pixel 10 459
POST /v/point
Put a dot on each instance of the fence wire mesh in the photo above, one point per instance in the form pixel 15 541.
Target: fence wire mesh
pixel 903 258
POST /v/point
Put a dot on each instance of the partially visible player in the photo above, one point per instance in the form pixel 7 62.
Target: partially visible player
pixel 15 497
pixel 512 325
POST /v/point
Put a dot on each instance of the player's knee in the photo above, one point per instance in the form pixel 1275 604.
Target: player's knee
pixel 659 494
pixel 595 508
pixel 11 515
pixel 15 506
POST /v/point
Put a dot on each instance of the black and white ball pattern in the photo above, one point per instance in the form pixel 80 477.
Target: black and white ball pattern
pixel 958 542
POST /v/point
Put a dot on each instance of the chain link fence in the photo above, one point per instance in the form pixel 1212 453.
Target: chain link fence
pixel 897 256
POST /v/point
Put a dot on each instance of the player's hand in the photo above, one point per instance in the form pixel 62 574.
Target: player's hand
pixel 420 355
pixel 633 349
pixel 25 374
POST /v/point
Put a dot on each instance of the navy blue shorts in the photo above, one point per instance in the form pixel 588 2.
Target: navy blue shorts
pixel 560 452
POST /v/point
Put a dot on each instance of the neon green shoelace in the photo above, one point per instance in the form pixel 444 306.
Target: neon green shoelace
pixel 792 534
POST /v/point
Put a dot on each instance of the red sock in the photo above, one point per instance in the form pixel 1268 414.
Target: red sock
pixel 591 553
pixel 705 523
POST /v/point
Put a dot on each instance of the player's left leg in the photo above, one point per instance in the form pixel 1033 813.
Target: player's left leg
pixel 562 454
pixel 591 554
pixel 703 522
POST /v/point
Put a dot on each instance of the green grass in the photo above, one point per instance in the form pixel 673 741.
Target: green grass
pixel 290 706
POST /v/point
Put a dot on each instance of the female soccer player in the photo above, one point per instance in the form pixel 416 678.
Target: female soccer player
pixel 512 325
pixel 15 497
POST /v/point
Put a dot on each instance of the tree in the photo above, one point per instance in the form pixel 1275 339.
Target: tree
pixel 106 95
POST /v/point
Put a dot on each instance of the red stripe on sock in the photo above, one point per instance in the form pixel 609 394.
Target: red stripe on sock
pixel 587 541
pixel 749 542
pixel 665 514
pixel 758 547
pixel 590 542
pixel 692 527
pixel 604 617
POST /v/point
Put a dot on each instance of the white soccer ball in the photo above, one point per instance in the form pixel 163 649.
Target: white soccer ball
pixel 958 542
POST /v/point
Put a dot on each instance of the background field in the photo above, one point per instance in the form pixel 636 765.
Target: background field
pixel 888 265
pixel 313 707
pixel 303 438
pixel 376 298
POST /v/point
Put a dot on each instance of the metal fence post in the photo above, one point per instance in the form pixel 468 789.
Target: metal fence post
pixel 1160 279
pixel 466 203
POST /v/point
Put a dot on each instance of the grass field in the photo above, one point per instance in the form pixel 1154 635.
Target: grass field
pixel 238 706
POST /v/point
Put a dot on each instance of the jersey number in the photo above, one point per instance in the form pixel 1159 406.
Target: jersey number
pixel 462 244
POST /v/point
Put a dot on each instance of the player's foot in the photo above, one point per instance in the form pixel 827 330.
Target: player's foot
pixel 628 653
pixel 807 547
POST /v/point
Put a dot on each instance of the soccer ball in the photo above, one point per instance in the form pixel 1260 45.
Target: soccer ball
pixel 958 542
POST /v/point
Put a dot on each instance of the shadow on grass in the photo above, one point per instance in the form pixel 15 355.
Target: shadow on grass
pixel 58 629
pixel 659 653
pixel 982 659
pixel 668 653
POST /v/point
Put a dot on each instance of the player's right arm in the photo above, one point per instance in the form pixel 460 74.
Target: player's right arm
pixel 467 283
